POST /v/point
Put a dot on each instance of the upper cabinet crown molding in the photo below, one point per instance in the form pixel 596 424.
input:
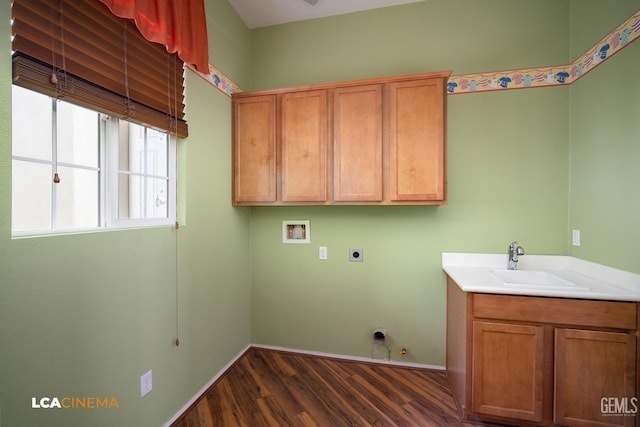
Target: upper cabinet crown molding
pixel 375 141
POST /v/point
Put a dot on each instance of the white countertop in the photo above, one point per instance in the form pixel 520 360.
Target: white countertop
pixel 477 273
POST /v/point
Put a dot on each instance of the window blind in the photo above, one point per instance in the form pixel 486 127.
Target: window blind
pixel 99 61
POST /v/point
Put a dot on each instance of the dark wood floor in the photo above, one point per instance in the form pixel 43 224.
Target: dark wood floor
pixel 272 388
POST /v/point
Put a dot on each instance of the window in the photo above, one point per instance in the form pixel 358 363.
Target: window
pixel 77 169
pixel 97 109
pixel 142 173
pixel 78 49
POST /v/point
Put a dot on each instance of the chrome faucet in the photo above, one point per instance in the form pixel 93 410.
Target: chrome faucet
pixel 515 251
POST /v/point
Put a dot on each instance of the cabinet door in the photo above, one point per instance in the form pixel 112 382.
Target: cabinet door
pixel 507 373
pixel 254 149
pixel 595 378
pixel 417 140
pixel 357 144
pixel 303 145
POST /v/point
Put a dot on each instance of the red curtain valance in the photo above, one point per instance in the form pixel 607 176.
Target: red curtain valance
pixel 180 25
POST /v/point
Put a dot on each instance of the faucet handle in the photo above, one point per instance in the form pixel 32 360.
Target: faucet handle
pixel 516 249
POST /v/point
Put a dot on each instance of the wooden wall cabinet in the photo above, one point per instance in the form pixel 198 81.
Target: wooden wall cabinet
pixel 416 134
pixel 280 148
pixel 303 146
pixel 254 150
pixel 373 141
pixel 520 360
pixel 357 144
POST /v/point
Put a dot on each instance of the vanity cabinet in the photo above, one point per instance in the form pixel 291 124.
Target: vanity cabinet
pixel 372 141
pixel 542 361
pixel 589 366
pixel 507 370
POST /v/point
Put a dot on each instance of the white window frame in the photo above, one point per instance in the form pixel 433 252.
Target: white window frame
pixel 111 197
pixel 108 182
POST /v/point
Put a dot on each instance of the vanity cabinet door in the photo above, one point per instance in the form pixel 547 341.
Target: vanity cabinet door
pixel 357 144
pixel 303 146
pixel 591 366
pixel 417 114
pixel 254 149
pixel 507 372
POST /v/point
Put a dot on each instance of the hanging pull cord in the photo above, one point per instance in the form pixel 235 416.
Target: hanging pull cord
pixel 61 86
pixel 129 106
pixel 177 226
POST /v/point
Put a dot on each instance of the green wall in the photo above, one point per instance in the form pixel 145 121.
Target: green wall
pixel 508 174
pixel 520 168
pixel 605 143
pixel 465 36
pixel 87 314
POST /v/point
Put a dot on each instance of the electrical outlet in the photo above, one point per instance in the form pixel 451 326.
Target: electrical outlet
pixel 356 255
pixel 146 383
pixel 576 238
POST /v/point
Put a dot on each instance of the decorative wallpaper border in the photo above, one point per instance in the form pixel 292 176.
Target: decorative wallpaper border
pixel 218 80
pixel 522 78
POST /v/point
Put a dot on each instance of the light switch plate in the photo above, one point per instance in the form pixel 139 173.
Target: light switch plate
pixel 322 252
pixel 146 383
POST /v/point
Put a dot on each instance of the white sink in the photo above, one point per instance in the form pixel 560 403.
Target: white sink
pixel 535 279
pixel 555 276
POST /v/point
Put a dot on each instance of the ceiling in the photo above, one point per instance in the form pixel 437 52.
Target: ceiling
pixel 262 13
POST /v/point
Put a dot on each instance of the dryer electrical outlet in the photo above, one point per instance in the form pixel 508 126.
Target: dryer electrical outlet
pixel 356 255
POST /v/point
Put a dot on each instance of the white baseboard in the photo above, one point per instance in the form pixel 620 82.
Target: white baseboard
pixel 353 358
pixel 293 350
pixel 206 387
